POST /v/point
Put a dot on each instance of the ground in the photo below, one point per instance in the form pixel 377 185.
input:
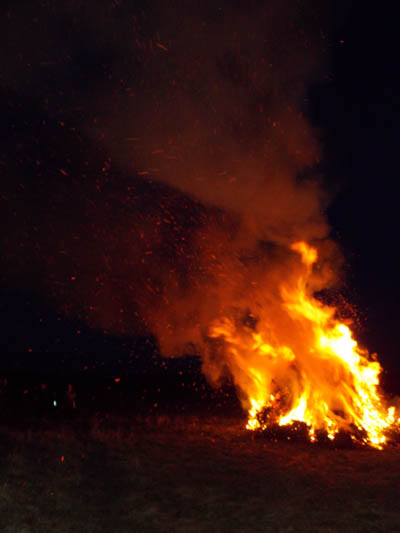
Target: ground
pixel 187 473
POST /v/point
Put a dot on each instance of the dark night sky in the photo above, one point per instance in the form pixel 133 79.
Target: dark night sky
pixel 58 70
pixel 359 111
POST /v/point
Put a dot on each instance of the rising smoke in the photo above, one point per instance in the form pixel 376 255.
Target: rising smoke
pixel 198 111
pixel 218 112
pixel 219 115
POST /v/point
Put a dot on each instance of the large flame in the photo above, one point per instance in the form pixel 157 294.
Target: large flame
pixel 318 375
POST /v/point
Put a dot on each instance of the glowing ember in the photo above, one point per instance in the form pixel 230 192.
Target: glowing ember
pixel 305 366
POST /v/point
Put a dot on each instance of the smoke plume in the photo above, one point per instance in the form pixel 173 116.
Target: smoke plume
pixel 197 114
pixel 218 114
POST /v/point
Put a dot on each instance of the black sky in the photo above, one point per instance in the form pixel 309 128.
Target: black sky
pixel 359 110
pixel 62 185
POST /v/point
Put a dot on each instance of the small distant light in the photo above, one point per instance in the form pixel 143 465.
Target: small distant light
pixel 55 403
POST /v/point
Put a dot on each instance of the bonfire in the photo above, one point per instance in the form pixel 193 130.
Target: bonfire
pixel 301 364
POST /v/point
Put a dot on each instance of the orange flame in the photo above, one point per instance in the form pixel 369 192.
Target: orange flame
pixel 318 376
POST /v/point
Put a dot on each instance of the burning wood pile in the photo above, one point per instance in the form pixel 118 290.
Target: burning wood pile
pixel 300 369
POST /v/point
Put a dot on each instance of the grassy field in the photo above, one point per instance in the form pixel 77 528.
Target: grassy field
pixel 187 473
